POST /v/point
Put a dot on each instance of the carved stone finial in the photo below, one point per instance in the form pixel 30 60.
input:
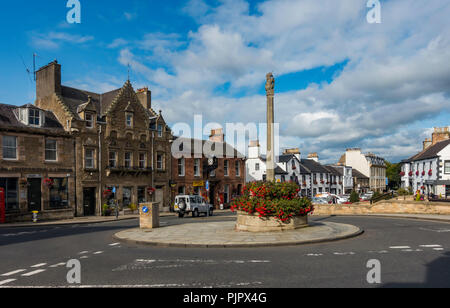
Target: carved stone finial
pixel 270 84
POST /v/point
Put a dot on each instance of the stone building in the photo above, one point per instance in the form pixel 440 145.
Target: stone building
pixel 36 164
pixel 371 165
pixel 121 144
pixel 189 167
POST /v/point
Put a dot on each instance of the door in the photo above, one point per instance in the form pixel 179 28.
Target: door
pixel 89 201
pixel 159 197
pixel 34 195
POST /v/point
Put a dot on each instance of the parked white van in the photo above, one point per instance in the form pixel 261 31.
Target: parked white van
pixel 196 205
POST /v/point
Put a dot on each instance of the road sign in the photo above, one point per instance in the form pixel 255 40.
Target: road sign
pixel 145 210
pixel 207 185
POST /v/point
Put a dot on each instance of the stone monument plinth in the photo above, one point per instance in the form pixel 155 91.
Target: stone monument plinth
pixel 149 215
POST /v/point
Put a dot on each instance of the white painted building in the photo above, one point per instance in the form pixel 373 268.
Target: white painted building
pixel 370 165
pixel 429 170
pixel 312 177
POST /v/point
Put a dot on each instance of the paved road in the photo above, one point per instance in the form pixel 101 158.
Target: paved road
pixel 412 254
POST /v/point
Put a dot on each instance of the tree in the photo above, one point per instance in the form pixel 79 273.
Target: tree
pixel 393 174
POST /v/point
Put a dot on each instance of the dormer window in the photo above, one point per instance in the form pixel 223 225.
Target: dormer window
pixel 160 130
pixel 31 116
pixel 34 117
pixel 89 118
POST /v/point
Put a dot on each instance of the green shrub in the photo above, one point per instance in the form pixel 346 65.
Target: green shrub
pixel 354 197
pixel 403 192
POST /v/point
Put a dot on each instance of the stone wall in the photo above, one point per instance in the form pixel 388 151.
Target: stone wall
pixel 385 207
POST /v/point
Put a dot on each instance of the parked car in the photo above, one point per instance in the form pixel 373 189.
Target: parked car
pixel 185 204
pixel 318 200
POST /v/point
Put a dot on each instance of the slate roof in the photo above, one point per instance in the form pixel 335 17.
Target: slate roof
pixel 75 98
pixel 313 166
pixel 226 147
pixel 431 152
pixel 9 118
pixel 359 175
pixel 333 171
pixel 280 171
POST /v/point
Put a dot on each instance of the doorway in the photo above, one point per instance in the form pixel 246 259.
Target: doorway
pixel 89 201
pixel 34 195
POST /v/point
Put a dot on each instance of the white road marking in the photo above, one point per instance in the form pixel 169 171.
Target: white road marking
pixel 438 249
pixel 39 265
pixel 58 265
pixel 314 255
pixel 430 246
pixel 33 273
pixel 114 244
pixel 6 281
pixel 14 272
pixel 84 257
pixel 400 247
pixel 343 253
pixel 98 252
pixel 434 230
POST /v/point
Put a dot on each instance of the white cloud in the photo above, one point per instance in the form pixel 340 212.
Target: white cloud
pixel 396 76
pixel 53 40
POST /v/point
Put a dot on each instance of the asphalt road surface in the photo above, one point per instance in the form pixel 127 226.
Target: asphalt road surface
pixel 412 253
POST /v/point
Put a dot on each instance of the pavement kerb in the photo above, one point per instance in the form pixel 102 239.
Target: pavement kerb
pixel 243 245
pixel 393 216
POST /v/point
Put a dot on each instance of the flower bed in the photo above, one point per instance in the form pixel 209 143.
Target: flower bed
pixel 271 206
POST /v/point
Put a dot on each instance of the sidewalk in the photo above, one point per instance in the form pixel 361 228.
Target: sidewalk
pixel 76 221
pixel 85 220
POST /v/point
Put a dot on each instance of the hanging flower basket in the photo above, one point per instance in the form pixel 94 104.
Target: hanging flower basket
pixel 151 190
pixel 410 173
pixel 430 173
pixel 423 173
pixel 107 193
pixel 417 173
pixel 402 173
pixel 49 183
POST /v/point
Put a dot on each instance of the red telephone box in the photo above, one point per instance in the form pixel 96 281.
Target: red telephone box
pixel 2 206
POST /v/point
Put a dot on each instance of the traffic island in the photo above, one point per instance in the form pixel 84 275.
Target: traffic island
pixel 224 235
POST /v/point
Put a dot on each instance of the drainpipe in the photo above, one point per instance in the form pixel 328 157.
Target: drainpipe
pixel 153 161
pixel 100 170
pixel 75 173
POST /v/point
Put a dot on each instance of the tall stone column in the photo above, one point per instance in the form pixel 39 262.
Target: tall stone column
pixel 270 91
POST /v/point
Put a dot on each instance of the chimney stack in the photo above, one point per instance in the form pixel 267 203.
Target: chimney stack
pixel 217 135
pixel 254 149
pixel 427 143
pixel 48 80
pixel 440 134
pixel 314 157
pixel 145 97
pixel 295 152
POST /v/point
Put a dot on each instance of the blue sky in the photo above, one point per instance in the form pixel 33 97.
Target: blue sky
pixel 341 82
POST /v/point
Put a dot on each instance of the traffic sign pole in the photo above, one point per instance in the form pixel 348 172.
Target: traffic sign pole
pixel 2 206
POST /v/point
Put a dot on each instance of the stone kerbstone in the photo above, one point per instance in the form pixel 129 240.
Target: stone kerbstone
pixel 253 223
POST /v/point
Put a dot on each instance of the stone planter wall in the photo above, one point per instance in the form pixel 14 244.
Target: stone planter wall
pixel 384 207
pixel 253 223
